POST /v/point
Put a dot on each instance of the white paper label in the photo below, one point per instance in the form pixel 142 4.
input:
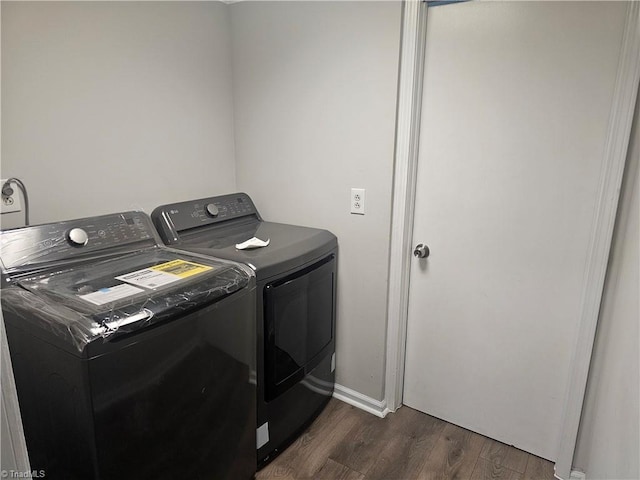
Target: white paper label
pixel 149 278
pixel 262 435
pixel 111 294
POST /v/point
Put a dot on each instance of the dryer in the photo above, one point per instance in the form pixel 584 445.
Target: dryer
pixel 295 305
pixel 131 360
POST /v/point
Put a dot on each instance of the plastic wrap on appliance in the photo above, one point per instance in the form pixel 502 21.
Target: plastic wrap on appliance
pixel 57 319
pixel 67 302
pixel 27 247
pixel 24 252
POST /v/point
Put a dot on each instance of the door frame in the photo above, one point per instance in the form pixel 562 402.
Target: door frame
pixel 10 407
pixel 411 73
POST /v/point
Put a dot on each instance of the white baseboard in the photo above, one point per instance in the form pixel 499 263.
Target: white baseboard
pixel 575 475
pixel 363 402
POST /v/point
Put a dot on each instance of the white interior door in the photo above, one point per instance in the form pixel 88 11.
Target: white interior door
pixel 516 103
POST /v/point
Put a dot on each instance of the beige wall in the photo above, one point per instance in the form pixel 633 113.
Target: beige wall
pixel 609 438
pixel 315 97
pixel 108 106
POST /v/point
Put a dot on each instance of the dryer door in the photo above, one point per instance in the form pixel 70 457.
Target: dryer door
pixel 299 316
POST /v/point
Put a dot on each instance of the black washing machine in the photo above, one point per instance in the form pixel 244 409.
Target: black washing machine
pixel 131 360
pixel 296 305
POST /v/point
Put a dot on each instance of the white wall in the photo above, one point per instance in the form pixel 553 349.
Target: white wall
pixel 609 438
pixel 108 106
pixel 315 95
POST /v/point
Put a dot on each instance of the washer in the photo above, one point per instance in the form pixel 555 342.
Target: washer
pixel 131 360
pixel 295 307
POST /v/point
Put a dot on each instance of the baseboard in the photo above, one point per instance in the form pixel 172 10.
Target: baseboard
pixel 361 401
pixel 575 475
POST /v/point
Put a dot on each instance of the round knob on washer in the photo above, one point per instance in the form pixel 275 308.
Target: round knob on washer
pixel 212 210
pixel 78 237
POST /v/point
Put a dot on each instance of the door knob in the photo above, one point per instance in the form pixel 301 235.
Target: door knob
pixel 421 251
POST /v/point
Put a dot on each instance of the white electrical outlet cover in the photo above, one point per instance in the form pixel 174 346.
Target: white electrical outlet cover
pixel 357 201
pixel 12 203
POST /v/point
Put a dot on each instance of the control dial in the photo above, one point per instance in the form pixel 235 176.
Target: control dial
pixel 77 237
pixel 212 210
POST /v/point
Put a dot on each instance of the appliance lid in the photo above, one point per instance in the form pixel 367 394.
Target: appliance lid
pixel 110 297
pixel 290 245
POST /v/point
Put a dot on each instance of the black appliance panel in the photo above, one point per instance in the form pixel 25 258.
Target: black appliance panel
pixel 299 318
pixel 169 402
pixel 191 409
pixel 40 246
pixel 224 236
pixel 178 217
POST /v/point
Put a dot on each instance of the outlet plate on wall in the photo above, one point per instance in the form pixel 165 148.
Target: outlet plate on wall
pixel 10 203
pixel 357 201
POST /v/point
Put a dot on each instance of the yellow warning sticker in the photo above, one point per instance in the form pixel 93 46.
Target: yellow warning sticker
pixel 163 274
pixel 181 268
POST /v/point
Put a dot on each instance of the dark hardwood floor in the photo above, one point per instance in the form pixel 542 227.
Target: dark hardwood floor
pixel 345 443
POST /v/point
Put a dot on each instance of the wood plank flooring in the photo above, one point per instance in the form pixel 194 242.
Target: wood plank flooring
pixel 345 443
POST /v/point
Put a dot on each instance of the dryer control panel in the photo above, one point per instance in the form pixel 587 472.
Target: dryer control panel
pixel 178 217
pixel 63 241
